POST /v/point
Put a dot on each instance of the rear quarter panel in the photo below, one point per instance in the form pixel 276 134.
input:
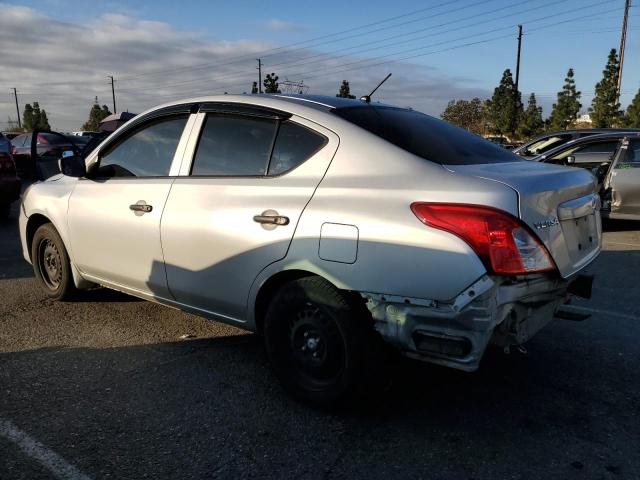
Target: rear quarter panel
pixel 370 185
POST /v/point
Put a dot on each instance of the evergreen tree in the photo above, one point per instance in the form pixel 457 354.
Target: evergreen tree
pixel 43 123
pixel 531 122
pixel 565 110
pixel 605 108
pixel 505 106
pixel 254 88
pixel 96 115
pixel 632 118
pixel 468 114
pixel 345 91
pixel 271 83
pixel 27 118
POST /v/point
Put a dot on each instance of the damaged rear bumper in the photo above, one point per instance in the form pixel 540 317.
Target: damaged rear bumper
pixel 501 311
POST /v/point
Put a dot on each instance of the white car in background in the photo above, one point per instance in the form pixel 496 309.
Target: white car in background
pixel 326 225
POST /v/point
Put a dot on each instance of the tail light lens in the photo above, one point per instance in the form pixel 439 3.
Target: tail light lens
pixel 505 245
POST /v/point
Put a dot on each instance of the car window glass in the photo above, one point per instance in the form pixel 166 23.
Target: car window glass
pixel 148 152
pixel 609 146
pixel 632 155
pixel 599 147
pixel 546 144
pixel 427 137
pixel 234 146
pixel 293 146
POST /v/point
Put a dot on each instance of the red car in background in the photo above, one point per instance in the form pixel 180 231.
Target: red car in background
pixel 9 182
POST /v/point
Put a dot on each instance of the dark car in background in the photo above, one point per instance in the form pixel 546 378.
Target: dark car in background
pixel 548 141
pixel 9 182
pixel 50 147
pixel 614 160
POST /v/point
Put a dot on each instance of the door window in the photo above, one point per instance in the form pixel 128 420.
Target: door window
pixel 631 158
pixel 234 146
pixel 294 145
pixel 147 152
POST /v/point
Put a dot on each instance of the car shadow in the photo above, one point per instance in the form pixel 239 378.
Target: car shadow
pixel 211 406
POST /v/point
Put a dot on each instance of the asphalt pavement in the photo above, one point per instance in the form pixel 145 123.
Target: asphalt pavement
pixel 108 387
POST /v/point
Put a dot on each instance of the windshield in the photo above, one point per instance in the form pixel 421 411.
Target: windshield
pixel 546 144
pixel 425 136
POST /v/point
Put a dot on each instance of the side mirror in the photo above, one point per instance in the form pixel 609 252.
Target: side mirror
pixel 571 159
pixel 72 166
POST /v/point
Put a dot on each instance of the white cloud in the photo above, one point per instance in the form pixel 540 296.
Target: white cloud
pixel 65 65
pixel 278 25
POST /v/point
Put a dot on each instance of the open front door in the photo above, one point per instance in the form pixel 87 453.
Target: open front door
pixel 622 186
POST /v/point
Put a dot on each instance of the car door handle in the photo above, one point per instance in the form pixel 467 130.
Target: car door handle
pixel 141 207
pixel 271 219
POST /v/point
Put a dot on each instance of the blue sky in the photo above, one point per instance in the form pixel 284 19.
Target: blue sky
pixel 436 63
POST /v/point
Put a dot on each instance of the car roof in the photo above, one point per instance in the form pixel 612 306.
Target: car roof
pixel 593 138
pixel 323 103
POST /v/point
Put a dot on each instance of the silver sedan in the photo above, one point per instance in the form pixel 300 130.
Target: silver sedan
pixel 333 227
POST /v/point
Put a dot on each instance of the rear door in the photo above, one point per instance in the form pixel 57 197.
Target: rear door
pixel 236 206
pixel 624 181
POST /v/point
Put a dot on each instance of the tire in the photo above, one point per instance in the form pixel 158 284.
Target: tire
pixel 51 263
pixel 320 343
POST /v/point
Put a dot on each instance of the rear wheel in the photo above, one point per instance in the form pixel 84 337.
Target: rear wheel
pixel 51 263
pixel 319 342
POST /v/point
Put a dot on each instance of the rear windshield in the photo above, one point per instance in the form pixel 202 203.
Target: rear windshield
pixel 425 136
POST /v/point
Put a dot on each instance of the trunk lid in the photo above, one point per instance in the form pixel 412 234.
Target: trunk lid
pixel 560 204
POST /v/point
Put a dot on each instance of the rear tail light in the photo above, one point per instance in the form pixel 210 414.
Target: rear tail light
pixel 504 244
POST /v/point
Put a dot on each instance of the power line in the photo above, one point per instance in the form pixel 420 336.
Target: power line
pixel 269 52
pixel 305 75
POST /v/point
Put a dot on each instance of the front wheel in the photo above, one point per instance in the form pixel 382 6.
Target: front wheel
pixel 51 263
pixel 319 342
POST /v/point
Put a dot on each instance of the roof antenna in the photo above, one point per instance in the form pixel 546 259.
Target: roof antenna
pixel 367 98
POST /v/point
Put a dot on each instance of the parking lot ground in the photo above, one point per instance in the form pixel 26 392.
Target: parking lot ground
pixel 107 386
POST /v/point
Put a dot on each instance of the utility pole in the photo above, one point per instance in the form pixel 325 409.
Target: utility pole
pixel 259 75
pixel 623 41
pixel 113 93
pixel 518 61
pixel 15 94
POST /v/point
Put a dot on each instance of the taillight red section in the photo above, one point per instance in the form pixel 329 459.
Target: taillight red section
pixel 504 244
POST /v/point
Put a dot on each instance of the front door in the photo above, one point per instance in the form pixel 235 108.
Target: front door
pixel 114 216
pixel 624 181
pixel 237 209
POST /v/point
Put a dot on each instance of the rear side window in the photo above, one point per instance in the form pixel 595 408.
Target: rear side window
pixel 234 146
pixel 148 152
pixel 20 140
pixel 425 136
pixel 294 145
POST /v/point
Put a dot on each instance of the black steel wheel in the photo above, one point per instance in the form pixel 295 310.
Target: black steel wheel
pixel 51 263
pixel 319 341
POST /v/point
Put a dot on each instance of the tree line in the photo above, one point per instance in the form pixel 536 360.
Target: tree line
pixel 504 113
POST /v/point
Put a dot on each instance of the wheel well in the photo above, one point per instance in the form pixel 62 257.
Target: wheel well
pixel 269 289
pixel 35 221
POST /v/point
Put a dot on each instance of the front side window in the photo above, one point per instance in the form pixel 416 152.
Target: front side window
pixel 609 146
pixel 147 152
pixel 294 145
pixel 234 146
pixel 632 155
